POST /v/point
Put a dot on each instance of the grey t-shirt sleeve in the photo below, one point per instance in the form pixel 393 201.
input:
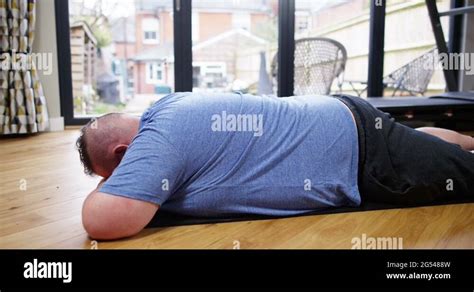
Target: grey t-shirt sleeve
pixel 151 169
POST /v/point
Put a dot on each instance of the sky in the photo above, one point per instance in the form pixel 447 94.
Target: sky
pixel 111 8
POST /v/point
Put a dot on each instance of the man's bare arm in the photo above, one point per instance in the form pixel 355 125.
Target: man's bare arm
pixel 106 216
pixel 466 142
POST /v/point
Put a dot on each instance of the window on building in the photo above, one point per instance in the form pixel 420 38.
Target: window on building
pixel 154 73
pixel 302 19
pixel 150 28
pixel 214 69
pixel 209 74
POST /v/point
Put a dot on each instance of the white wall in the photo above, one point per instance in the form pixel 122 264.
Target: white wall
pixel 45 42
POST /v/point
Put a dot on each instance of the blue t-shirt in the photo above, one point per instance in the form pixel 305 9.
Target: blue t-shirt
pixel 226 154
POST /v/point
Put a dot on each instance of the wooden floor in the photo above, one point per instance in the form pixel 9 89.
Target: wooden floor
pixel 42 188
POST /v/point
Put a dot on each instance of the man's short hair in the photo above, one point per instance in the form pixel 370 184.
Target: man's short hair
pixel 82 142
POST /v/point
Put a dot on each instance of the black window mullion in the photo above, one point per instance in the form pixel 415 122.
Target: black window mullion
pixel 286 47
pixel 455 32
pixel 183 55
pixel 376 48
pixel 64 60
pixel 449 75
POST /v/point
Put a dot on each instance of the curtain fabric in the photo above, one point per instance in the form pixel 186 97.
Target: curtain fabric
pixel 22 102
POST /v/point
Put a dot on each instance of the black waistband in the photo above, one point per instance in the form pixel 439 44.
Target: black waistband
pixel 360 128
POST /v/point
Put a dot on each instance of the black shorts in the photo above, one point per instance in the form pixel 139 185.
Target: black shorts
pixel 400 165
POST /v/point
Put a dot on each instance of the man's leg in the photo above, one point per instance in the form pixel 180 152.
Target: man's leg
pixel 466 142
pixel 412 167
pixel 404 166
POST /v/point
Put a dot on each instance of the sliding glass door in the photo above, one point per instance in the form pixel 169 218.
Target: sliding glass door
pixel 336 46
pixel 411 58
pixel 122 57
pixel 233 45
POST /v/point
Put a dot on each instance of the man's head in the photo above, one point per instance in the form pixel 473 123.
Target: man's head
pixel 103 142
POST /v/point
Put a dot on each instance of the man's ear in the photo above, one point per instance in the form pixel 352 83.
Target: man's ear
pixel 120 149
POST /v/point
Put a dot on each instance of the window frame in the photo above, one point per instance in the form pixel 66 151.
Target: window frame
pixel 155 67
pixel 151 41
pixel 299 15
pixel 183 73
pixel 205 67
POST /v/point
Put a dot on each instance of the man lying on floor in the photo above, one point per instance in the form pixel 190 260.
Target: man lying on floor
pixel 219 155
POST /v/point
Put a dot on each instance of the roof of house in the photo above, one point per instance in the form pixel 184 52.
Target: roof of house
pixel 158 53
pixel 164 52
pixel 87 29
pixel 240 33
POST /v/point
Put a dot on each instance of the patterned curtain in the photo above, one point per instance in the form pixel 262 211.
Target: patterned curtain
pixel 22 103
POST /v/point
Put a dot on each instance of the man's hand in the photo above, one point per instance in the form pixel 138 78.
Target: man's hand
pixel 106 216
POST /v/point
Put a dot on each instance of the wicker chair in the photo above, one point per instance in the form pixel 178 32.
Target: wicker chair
pixel 414 76
pixel 318 62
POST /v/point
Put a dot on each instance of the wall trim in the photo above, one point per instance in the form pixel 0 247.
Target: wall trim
pixel 56 124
